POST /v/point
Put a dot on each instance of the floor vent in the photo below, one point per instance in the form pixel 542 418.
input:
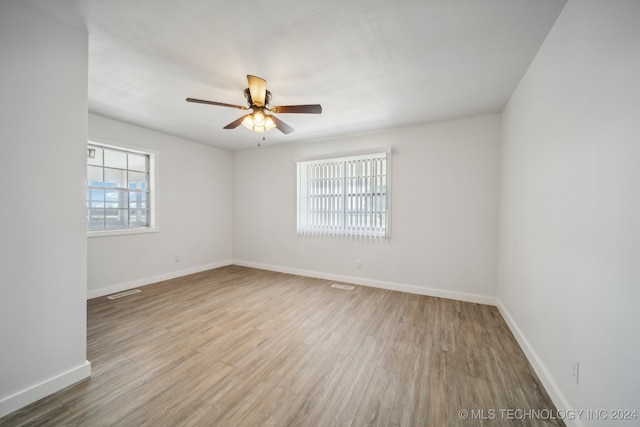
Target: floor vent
pixel 124 294
pixel 345 287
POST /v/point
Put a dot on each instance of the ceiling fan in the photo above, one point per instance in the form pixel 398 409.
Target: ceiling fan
pixel 258 99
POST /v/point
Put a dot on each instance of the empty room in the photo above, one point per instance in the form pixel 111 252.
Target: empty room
pixel 289 213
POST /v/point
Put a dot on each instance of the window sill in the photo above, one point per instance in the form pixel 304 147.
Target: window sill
pixel 121 232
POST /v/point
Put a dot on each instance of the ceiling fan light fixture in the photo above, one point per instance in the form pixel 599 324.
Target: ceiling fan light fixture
pixel 269 123
pixel 248 121
pixel 258 122
pixel 258 118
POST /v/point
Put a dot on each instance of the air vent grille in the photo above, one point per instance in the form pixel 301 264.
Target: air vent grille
pixel 124 294
pixel 345 287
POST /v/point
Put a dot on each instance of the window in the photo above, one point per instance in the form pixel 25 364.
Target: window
pixel 346 196
pixel 118 195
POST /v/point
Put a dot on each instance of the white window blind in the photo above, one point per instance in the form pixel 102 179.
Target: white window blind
pixel 345 196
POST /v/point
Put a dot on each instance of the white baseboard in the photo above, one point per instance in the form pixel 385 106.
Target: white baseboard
pixel 25 397
pixel 94 293
pixel 441 293
pixel 539 367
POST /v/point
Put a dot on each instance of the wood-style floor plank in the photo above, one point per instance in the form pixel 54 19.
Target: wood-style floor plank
pixel 238 346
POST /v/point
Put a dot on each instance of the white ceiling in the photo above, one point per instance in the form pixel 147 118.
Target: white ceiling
pixel 372 64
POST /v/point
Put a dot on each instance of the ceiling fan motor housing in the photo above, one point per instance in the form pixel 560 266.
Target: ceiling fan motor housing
pixel 267 98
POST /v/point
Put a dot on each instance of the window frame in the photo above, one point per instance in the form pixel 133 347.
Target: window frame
pixel 152 195
pixel 338 199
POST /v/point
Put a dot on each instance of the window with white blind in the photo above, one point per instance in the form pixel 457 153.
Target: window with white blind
pixel 344 196
pixel 118 193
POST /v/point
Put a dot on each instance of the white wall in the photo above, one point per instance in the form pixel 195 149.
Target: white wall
pixel 43 128
pixel 569 271
pixel 444 217
pixel 193 213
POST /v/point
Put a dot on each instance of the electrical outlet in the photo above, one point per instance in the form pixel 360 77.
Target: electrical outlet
pixel 178 258
pixel 358 263
pixel 575 370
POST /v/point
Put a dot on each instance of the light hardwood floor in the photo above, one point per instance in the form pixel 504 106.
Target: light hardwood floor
pixel 243 347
